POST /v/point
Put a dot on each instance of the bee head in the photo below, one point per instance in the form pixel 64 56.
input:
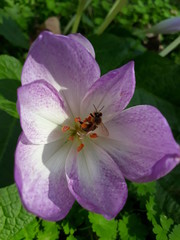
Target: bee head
pixel 98 114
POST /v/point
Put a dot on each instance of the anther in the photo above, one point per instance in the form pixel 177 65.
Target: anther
pixel 71 138
pixel 80 147
pixel 93 135
pixel 65 128
pixel 77 119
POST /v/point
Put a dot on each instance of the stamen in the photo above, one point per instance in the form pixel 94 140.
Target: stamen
pixel 77 119
pixel 93 135
pixel 80 147
pixel 71 138
pixel 65 128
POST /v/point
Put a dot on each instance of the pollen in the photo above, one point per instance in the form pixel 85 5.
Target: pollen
pixel 77 119
pixel 93 135
pixel 80 147
pixel 65 128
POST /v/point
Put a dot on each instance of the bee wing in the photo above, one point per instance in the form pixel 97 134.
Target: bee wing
pixel 103 130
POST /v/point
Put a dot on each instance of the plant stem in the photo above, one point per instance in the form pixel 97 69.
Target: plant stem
pixel 170 47
pixel 116 8
pixel 78 15
pixel 70 23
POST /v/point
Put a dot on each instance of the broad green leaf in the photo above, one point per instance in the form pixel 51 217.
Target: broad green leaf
pixel 12 32
pixel 28 232
pixel 13 217
pixel 10 72
pixel 103 228
pixel 113 51
pixel 168 194
pixel 10 131
pixel 174 235
pixel 50 231
pixel 9 107
pixel 10 68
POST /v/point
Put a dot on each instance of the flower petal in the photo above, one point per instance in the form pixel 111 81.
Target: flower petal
pixel 64 63
pixel 113 91
pixel 142 144
pixel 41 112
pixel 170 25
pixel 40 177
pixel 83 41
pixel 95 180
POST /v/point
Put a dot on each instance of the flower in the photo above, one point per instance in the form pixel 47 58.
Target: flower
pixel 170 25
pixel 58 159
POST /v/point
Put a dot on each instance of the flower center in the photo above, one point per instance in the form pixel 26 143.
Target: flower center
pixel 85 128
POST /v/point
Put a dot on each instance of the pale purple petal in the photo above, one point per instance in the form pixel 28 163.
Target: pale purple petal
pixel 41 112
pixel 40 178
pixel 113 91
pixel 142 144
pixel 170 25
pixel 95 180
pixel 65 64
pixel 84 42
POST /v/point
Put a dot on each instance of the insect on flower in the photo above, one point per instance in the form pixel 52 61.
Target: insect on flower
pixel 60 157
pixel 92 122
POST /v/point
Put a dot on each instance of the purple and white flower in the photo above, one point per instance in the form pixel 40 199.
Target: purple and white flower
pixel 56 162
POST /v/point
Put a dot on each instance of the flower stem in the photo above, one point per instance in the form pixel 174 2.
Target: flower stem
pixel 116 8
pixel 70 23
pixel 170 47
pixel 78 15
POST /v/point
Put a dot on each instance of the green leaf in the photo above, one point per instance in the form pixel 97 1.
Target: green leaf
pixel 10 68
pixel 112 51
pixel 132 228
pixel 166 222
pixel 10 130
pixel 161 231
pixel 102 227
pixel 174 235
pixel 71 237
pixel 10 72
pixel 150 206
pixel 13 217
pixel 12 32
pixel 168 194
pixel 9 107
pixel 50 231
pixel 68 228
pixel 28 232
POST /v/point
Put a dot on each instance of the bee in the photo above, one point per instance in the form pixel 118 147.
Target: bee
pixel 94 121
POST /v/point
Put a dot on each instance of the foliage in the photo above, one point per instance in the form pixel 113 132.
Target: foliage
pixel 103 228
